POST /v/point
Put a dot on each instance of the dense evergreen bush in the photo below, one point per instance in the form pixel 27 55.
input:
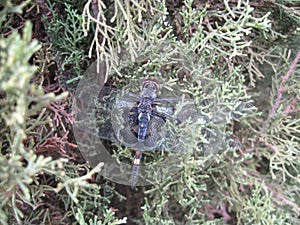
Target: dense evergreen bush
pixel 244 51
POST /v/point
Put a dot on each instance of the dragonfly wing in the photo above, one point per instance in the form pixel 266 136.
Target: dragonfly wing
pixel 110 96
pixel 111 102
pixel 122 128
pixel 121 110
pixel 155 134
pixel 127 137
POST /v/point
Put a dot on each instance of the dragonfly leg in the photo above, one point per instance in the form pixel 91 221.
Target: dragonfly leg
pixel 135 168
pixel 160 115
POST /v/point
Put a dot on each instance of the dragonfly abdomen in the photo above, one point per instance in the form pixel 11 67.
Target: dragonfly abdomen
pixel 144 119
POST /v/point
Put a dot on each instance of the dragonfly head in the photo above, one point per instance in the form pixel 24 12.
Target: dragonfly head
pixel 150 86
pixel 151 82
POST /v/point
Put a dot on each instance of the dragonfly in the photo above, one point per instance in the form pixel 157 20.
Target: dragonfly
pixel 138 118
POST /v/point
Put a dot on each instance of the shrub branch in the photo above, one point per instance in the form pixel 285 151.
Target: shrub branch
pixel 280 92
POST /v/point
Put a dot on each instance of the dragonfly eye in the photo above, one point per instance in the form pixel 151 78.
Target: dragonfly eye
pixel 151 83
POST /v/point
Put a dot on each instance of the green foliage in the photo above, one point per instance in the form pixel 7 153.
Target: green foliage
pixel 259 208
pixel 10 8
pixel 19 101
pixel 22 169
pixel 231 41
pixel 127 25
pixel 231 51
pixel 109 219
pixel 67 37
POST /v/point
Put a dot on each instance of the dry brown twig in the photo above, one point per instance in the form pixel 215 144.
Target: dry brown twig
pixel 280 93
